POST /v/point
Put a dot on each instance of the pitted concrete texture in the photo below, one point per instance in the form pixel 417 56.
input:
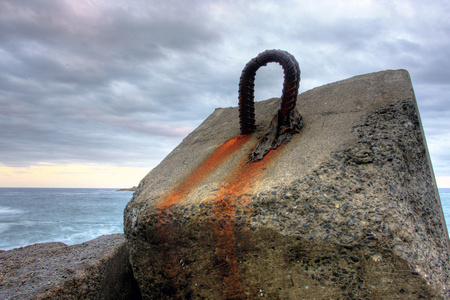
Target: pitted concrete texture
pixel 348 209
pixel 97 269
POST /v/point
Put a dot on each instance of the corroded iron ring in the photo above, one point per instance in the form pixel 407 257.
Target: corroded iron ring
pixel 247 87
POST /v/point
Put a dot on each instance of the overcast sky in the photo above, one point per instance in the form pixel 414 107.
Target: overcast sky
pixel 120 83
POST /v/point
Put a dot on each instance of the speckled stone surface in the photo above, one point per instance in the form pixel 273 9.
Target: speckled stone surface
pixel 348 209
pixel 97 269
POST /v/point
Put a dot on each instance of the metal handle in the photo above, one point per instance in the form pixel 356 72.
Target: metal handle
pixel 247 87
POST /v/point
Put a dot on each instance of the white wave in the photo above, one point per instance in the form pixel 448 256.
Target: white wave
pixel 4 210
pixel 4 227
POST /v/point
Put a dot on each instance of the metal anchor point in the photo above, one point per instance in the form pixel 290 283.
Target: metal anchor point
pixel 247 87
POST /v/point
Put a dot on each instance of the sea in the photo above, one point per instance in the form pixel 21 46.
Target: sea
pixel 73 216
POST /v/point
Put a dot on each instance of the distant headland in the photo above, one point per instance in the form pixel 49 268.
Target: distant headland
pixel 132 189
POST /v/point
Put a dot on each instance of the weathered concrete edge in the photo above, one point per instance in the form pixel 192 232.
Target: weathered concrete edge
pixel 428 157
pixel 111 277
pixel 105 276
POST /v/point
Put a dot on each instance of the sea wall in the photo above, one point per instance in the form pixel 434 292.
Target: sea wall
pixel 347 209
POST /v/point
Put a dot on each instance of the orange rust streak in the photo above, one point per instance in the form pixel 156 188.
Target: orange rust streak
pixel 168 228
pixel 214 160
pixel 239 182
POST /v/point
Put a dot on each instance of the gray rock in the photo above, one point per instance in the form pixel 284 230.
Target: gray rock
pixel 97 269
pixel 347 209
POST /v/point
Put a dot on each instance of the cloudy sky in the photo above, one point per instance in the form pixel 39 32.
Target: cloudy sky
pixel 94 93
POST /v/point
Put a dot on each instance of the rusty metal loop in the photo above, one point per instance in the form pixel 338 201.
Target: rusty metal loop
pixel 247 87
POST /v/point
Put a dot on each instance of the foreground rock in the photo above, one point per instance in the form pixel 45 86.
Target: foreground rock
pixel 348 209
pixel 97 269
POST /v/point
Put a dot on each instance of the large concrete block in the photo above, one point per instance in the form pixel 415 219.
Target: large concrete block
pixel 347 209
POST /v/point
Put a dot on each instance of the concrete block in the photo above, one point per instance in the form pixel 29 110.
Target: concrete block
pixel 347 209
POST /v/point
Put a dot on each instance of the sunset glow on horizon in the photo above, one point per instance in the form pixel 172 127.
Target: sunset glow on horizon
pixel 71 176
pixel 88 176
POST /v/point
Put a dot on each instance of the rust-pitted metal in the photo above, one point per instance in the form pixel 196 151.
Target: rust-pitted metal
pixel 247 87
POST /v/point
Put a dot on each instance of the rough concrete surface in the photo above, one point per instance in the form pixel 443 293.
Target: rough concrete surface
pixel 98 269
pixel 348 209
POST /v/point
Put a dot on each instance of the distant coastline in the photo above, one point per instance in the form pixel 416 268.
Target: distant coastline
pixel 132 189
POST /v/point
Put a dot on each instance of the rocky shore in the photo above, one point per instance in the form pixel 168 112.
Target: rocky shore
pixel 97 269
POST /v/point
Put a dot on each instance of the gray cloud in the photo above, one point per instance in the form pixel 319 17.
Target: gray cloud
pixel 123 82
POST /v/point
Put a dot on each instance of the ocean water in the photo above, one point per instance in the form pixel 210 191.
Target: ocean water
pixel 444 194
pixel 72 216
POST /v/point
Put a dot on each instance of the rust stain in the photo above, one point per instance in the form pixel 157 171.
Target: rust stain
pixel 168 225
pixel 178 276
pixel 209 165
pixel 238 185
